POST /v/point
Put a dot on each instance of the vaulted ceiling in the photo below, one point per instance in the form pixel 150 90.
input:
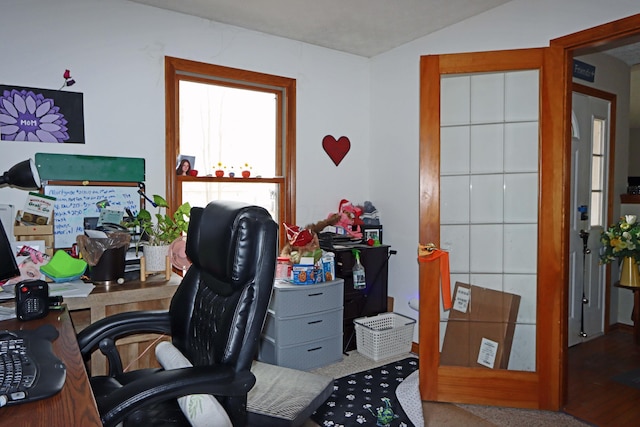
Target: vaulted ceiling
pixel 360 27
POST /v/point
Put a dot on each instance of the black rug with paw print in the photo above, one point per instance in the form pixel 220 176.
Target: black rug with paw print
pixel 367 398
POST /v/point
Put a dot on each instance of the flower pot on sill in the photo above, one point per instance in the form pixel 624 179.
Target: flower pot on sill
pixel 629 275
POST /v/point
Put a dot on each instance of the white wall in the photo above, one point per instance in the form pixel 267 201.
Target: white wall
pixel 115 50
pixel 395 104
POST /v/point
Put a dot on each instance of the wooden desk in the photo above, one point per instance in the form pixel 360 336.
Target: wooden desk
pixel 635 314
pixel 153 294
pixel 74 405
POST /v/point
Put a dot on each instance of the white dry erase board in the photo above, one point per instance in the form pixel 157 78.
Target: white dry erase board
pixel 76 200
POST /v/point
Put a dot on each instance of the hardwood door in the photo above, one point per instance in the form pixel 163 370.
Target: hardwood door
pixel 494 176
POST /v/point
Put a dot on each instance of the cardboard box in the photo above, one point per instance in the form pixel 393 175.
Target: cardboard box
pixel 303 274
pixel 480 328
pixel 35 232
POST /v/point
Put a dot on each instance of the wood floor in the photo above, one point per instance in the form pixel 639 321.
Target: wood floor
pixel 593 396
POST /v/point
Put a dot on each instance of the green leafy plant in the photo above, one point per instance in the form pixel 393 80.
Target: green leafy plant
pixel 621 240
pixel 166 228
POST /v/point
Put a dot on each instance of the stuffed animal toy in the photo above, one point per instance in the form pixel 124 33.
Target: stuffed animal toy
pixel 349 219
pixel 304 241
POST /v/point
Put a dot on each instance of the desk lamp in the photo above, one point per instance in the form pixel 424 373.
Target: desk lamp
pixel 24 175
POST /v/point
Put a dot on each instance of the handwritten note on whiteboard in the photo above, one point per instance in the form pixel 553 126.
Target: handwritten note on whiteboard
pixel 75 202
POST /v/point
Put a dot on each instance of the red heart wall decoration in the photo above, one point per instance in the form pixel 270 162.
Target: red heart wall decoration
pixel 336 149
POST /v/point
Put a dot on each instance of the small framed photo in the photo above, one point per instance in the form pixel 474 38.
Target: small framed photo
pixel 373 232
pixel 185 165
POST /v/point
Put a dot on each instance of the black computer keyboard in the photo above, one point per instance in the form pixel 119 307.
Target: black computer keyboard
pixel 28 368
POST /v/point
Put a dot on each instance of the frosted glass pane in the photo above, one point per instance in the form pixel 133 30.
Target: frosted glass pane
pixel 521 197
pixel 520 248
pixel 525 286
pixel 489 281
pixel 454 100
pixel 454 199
pixel 454 150
pixel 523 348
pixel 486 248
pixel 455 240
pixel 487 198
pixel 487 98
pixel 521 147
pixel 487 147
pixel 521 95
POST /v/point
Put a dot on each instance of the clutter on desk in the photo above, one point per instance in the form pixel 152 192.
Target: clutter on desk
pixel 38 209
pixel 105 256
pixel 29 258
pixel 63 267
pixel 28 233
pixel 71 289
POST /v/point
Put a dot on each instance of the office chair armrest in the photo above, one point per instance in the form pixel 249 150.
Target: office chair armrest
pixel 172 384
pixel 121 325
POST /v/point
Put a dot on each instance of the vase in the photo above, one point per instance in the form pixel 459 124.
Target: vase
pixel 629 275
pixel 156 257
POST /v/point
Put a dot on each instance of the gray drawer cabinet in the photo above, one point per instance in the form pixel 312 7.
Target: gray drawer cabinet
pixel 303 329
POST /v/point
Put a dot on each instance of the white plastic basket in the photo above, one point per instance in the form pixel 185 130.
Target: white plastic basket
pixel 385 335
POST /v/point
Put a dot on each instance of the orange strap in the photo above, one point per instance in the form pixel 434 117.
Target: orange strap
pixel 445 280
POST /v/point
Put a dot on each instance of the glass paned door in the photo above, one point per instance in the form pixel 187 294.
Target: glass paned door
pixel 492 195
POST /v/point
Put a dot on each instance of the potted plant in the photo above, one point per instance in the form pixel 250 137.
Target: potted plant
pixel 621 241
pixel 157 235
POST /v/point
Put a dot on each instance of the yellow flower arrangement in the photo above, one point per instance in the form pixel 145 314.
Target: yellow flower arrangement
pixel 621 240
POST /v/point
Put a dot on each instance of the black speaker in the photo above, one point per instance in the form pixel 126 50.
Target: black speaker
pixel 32 299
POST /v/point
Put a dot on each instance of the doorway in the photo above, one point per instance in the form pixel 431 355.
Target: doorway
pixel 591 139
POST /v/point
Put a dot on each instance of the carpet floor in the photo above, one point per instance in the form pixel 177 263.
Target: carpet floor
pixel 437 414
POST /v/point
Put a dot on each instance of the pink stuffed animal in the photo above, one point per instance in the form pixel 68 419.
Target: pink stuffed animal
pixel 349 219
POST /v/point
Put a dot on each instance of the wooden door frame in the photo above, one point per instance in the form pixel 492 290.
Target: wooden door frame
pixel 582 43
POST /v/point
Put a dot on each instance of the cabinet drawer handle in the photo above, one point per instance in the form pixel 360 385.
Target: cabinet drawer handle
pixel 314 321
pixel 316 294
pixel 314 349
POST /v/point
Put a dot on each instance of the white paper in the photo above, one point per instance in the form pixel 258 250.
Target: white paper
pixel 95 234
pixel 487 353
pixel 74 288
pixel 461 302
pixel 7 313
pixel 8 292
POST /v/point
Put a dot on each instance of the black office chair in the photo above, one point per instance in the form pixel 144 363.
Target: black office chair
pixel 215 319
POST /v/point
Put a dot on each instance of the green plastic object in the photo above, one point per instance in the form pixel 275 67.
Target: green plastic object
pixel 64 266
pixel 77 167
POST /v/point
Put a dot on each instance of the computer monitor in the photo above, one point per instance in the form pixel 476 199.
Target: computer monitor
pixel 8 265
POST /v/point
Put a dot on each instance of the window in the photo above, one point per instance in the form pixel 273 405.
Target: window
pixel 234 121
pixel 597 172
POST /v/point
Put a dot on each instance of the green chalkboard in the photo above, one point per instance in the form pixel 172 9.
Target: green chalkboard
pixel 77 167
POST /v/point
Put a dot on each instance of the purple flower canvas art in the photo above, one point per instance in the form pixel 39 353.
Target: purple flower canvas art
pixel 41 115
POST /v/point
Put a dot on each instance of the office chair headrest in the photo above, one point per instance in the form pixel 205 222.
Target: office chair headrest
pixel 221 242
